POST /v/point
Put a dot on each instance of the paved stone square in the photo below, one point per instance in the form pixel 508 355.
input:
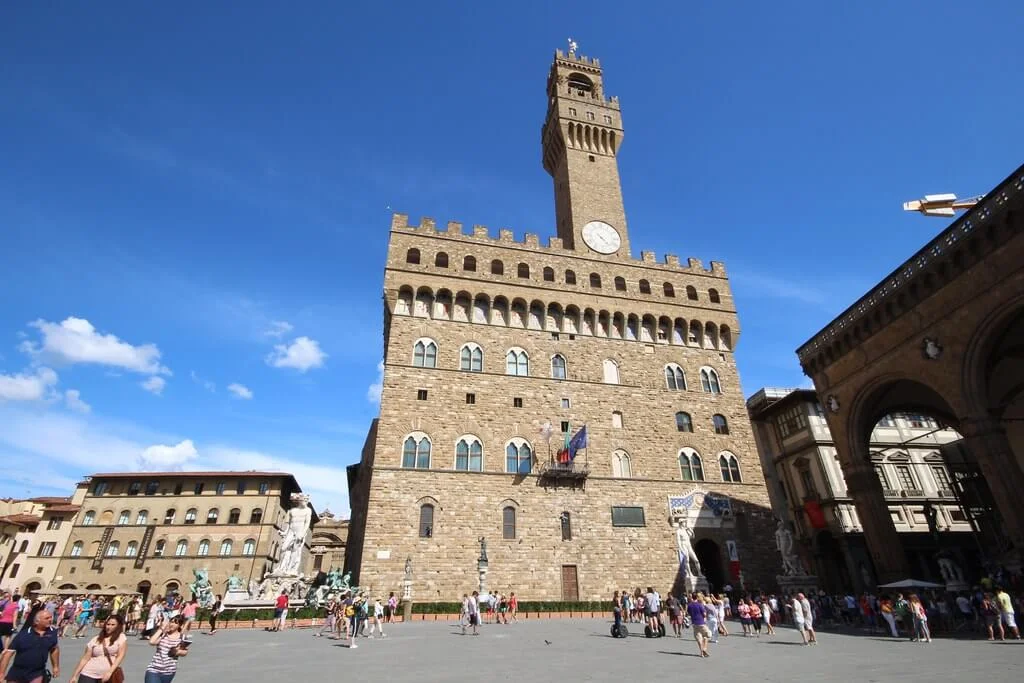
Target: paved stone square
pixel 579 650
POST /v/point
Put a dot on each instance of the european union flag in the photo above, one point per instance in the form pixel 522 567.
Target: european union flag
pixel 578 441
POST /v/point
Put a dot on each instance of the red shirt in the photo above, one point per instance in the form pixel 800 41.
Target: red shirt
pixel 282 602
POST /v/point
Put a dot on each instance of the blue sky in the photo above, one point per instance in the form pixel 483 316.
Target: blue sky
pixel 194 198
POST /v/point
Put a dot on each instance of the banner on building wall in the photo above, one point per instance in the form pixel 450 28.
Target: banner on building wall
pixel 815 514
pixel 97 560
pixel 734 559
pixel 147 539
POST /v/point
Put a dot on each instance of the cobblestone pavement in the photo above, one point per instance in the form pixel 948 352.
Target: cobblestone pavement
pixel 568 650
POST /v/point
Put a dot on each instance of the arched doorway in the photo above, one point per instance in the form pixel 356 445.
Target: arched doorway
pixel 171 588
pixel 710 556
pixel 93 587
pixel 32 588
pixel 143 589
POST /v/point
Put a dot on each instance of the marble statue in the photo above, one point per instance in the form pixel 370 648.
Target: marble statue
pixel 201 588
pixel 293 537
pixel 254 589
pixel 791 564
pixel 483 548
pixel 408 569
pixel 684 541
pixel 951 573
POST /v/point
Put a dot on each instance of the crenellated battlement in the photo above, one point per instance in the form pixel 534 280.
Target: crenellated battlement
pixel 481 234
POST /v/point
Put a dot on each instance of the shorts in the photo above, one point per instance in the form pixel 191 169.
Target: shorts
pixel 746 621
pixel 284 613
pixel 474 619
pixel 1009 619
pixel 701 631
pixel 277 613
pixel 6 628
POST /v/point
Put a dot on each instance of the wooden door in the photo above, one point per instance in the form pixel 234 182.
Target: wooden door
pixel 570 583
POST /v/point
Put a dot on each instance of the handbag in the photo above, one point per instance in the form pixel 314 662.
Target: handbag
pixel 117 675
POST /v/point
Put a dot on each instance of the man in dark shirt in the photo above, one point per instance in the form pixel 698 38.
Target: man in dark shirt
pixel 29 649
pixel 699 620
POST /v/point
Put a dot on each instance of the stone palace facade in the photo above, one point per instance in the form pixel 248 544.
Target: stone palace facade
pixel 487 340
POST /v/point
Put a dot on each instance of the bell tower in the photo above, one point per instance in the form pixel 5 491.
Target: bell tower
pixel 580 140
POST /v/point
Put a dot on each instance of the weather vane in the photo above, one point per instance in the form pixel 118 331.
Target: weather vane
pixel 572 46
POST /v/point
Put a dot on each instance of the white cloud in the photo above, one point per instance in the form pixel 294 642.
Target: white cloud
pixel 374 391
pixel 240 391
pixel 205 383
pixel 22 387
pixel 302 354
pixel 76 341
pixel 164 458
pixel 154 385
pixel 278 328
pixel 73 398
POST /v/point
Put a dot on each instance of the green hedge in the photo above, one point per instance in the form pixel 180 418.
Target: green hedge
pixel 525 606
pixel 261 614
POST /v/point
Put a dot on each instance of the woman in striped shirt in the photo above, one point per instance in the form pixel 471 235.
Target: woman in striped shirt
pixel 169 648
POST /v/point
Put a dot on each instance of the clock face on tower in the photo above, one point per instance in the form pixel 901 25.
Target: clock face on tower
pixel 601 237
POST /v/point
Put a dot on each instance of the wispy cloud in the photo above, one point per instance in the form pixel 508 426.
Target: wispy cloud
pixel 154 385
pixel 240 391
pixel 374 391
pixel 747 283
pixel 74 401
pixel 301 354
pixel 278 328
pixel 204 383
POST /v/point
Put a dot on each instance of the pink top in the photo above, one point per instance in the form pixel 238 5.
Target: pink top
pixel 189 611
pixel 744 610
pixel 98 666
pixel 10 609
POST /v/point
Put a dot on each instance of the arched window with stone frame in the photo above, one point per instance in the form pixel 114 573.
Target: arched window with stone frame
pixel 424 353
pixel 691 467
pixel 622 466
pixel 469 454
pixel 441 260
pixel 518 456
pixel 709 381
pixel 517 362
pixel 610 371
pixel 620 284
pixel 413 256
pixel 684 423
pixel 426 522
pixel 471 358
pixel 675 378
pixel 469 264
pixel 570 277
pixel 549 274
pixel 730 467
pixel 508 523
pixel 720 424
pixel 416 451
pixel 558 366
pixel 497 267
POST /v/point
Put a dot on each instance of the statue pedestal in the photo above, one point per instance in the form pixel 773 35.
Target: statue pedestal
pixel 696 584
pixel 235 596
pixel 806 584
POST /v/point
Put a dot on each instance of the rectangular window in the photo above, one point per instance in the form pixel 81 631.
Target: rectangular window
pixel 220 488
pixel 421 394
pixel 941 478
pixel 882 478
pixel 906 479
pixel 470 399
pixel 616 420
pixel 46 550
pixel 240 488
pixel 199 488
pixel 628 516
pixel 565 404
pixel 55 523
pixel 152 487
pixel 565 426
pixel 954 515
pixel 572 111
pixel 791 420
pixel 508 523
pixel 517 402
pixel 264 488
pixel 134 488
pixel 566 522
pixel 177 488
pixel 100 488
pixel 808 481
pixel 590 116
pixel 886 422
pixel 607 119
pixel 554 335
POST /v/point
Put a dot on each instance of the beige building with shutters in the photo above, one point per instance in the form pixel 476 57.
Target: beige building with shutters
pixel 489 338
pixel 146 531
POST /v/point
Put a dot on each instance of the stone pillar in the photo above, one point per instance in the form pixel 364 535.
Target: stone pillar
pixel 986 439
pixel 883 542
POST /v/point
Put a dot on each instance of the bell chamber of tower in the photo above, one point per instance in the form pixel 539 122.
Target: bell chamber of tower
pixel 580 140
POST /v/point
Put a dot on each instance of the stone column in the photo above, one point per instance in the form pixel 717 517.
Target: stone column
pixel 883 542
pixel 986 439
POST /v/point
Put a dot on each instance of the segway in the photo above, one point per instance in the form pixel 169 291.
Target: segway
pixel 650 633
pixel 619 631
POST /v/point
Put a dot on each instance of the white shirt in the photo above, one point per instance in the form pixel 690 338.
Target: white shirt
pixel 964 604
pixel 798 610
pixel 378 609
pixel 471 606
